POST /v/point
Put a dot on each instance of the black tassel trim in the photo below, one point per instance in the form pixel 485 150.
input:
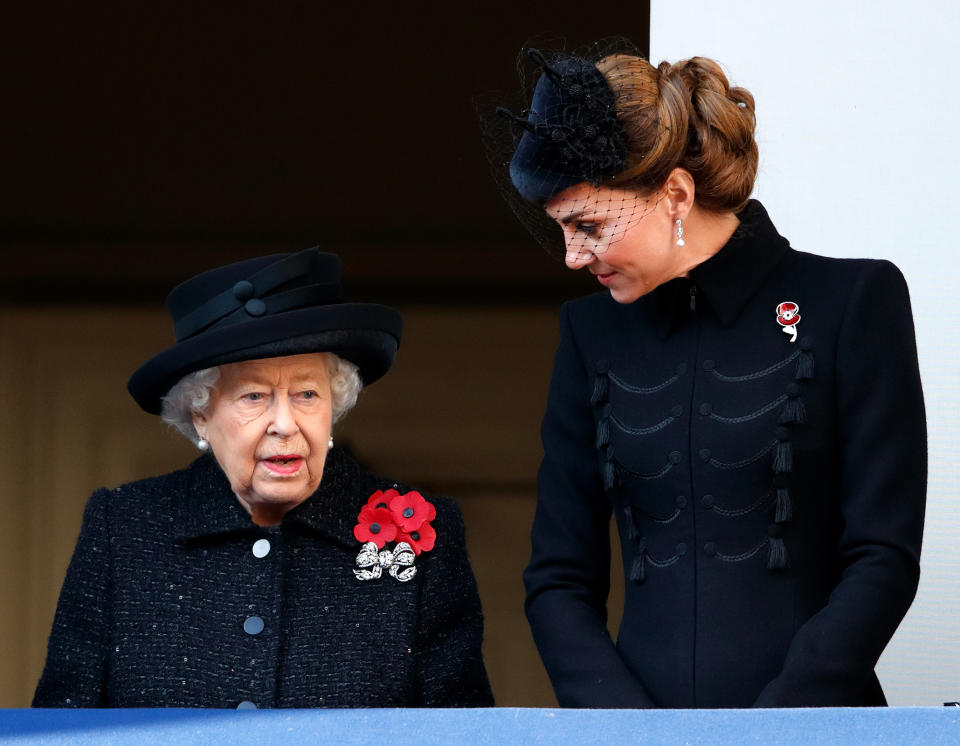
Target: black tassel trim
pixel 805 361
pixel 784 510
pixel 778 560
pixel 633 533
pixel 638 570
pixel 608 475
pixel 601 384
pixel 793 412
pixel 783 456
pixel 603 433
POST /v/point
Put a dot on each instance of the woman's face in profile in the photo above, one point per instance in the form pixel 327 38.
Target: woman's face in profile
pixel 268 425
pixel 625 239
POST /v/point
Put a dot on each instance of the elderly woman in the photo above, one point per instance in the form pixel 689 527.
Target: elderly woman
pixel 751 414
pixel 274 571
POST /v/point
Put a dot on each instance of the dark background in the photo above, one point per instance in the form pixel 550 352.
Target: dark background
pixel 143 142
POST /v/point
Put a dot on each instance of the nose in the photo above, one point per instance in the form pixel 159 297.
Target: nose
pixel 283 423
pixel 578 257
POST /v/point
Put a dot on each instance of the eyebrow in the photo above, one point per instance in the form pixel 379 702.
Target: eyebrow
pixel 572 216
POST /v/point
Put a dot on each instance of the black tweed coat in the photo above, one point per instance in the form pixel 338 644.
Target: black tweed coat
pixel 769 493
pixel 157 600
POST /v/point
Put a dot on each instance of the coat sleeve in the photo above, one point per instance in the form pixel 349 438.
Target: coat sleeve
pixel 75 673
pixel 568 578
pixel 882 432
pixel 450 664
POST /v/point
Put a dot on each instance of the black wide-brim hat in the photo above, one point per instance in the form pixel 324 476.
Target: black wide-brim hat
pixel 271 306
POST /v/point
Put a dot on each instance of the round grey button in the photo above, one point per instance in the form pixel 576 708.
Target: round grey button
pixel 710 548
pixel 709 365
pixel 675 457
pixel 261 548
pixel 681 549
pixel 681 501
pixel 253 625
pixel 705 409
pixel 246 705
pixel 707 501
pixel 705 454
pixel 676 410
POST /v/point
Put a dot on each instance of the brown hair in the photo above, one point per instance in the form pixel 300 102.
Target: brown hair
pixel 684 115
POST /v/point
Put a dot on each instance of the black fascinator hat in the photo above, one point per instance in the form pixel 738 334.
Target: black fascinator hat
pixel 271 306
pixel 564 131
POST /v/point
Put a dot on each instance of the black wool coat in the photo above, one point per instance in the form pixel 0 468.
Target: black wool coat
pixel 164 590
pixel 769 493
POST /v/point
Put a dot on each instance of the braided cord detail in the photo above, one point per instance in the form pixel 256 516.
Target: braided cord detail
pixel 753 415
pixel 760 373
pixel 745 462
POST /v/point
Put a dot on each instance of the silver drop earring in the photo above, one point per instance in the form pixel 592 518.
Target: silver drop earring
pixel 330 443
pixel 680 241
pixel 202 444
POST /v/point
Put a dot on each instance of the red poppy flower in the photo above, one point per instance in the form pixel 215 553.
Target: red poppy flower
pixel 410 511
pixel 381 499
pixel 421 539
pixel 376 525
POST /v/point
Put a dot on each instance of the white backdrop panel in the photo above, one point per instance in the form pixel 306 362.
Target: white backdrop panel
pixel 858 111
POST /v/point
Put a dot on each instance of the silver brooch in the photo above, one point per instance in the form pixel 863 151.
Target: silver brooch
pixel 398 562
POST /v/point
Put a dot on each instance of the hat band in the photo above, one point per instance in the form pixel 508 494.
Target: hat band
pixel 249 291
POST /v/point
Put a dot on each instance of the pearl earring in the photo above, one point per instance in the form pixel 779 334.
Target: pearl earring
pixel 202 444
pixel 330 443
pixel 680 241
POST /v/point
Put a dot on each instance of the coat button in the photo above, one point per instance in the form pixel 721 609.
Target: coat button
pixel 681 501
pixel 253 625
pixel 705 454
pixel 707 501
pixel 709 365
pixel 261 548
pixel 676 410
pixel 681 549
pixel 710 548
pixel 246 705
pixel 243 291
pixel 675 457
pixel 255 307
pixel 705 409
pixel 681 369
pixel 793 389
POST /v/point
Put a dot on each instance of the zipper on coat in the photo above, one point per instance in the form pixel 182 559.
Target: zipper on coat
pixel 693 298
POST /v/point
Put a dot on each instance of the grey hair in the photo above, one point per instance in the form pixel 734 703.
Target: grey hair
pixel 192 394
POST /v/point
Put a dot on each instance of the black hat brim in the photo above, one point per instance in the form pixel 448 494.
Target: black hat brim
pixel 367 335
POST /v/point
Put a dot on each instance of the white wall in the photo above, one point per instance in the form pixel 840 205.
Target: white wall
pixel 858 109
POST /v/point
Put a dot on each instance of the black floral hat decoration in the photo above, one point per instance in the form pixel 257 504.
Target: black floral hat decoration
pixel 565 131
pixel 571 133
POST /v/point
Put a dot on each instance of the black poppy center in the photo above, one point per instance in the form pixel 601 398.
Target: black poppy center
pixel 374 528
pixel 415 535
pixel 408 512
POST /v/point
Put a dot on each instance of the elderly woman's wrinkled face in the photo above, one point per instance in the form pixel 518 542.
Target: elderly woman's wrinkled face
pixel 268 425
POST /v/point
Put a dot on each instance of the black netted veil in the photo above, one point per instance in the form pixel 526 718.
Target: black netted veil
pixel 560 131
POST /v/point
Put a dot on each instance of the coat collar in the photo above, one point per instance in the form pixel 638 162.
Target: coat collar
pixel 208 507
pixel 725 282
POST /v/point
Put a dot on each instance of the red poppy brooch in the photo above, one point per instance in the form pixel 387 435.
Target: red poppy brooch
pixel 389 516
pixel 788 316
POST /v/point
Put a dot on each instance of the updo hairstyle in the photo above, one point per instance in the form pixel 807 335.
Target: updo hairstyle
pixel 684 115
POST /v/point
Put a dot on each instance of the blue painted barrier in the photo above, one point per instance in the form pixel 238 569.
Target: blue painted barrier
pixel 413 727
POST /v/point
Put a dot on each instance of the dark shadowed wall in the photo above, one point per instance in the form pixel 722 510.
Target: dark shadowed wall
pixel 143 142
